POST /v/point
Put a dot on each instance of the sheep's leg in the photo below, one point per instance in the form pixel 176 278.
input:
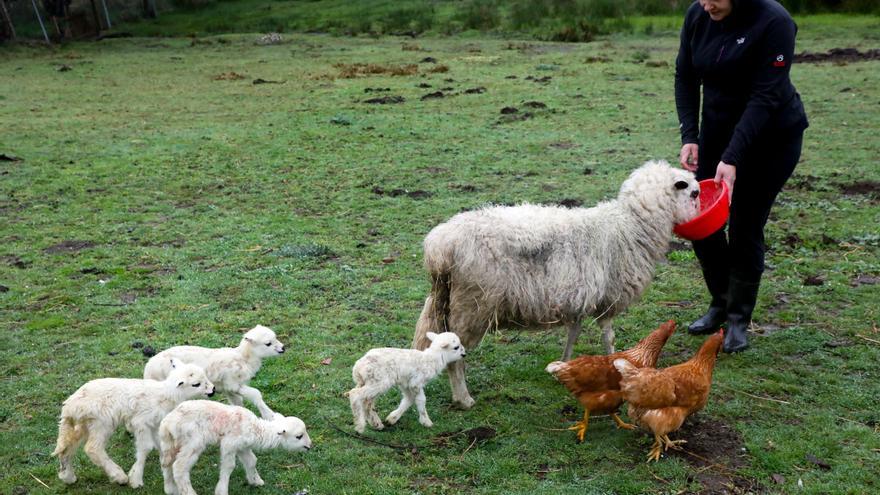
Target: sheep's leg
pixel 96 450
pixel 405 402
pixel 234 398
pixel 143 441
pixel 227 464
pixel 574 330
pixel 249 461
pixel 423 413
pixel 254 395
pixel 186 459
pixel 607 334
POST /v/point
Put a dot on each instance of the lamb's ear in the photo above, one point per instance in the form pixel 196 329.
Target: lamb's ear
pixel 278 416
pixel 681 184
pixel 431 336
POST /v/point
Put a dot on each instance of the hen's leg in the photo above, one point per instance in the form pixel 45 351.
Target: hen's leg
pixel 621 423
pixel 654 454
pixel 672 443
pixel 581 426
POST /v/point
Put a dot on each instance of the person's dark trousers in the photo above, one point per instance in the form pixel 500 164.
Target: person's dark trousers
pixel 759 179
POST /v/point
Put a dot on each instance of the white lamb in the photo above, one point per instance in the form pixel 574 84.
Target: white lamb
pixel 231 369
pixel 94 412
pixel 543 265
pixel 194 425
pixel 380 369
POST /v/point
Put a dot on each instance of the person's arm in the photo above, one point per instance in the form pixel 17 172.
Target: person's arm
pixel 687 87
pixel 770 85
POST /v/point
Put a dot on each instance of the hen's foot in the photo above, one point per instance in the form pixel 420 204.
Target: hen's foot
pixel 621 423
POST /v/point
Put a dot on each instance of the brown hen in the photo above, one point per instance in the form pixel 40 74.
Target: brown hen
pixel 660 400
pixel 595 382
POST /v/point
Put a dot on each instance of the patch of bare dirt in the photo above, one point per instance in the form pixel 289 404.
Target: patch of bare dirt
pixel 69 247
pixel 385 100
pixel 9 158
pixel 416 194
pixel 570 203
pixel 540 80
pixel 862 279
pixel 867 187
pixel 838 55
pixel 433 96
pixel 229 76
pixel 15 261
pixel 349 71
pixel 475 91
pixel 717 451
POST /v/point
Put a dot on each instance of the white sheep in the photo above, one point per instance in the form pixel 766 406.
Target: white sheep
pixel 231 369
pixel 97 408
pixel 380 369
pixel 195 425
pixel 545 265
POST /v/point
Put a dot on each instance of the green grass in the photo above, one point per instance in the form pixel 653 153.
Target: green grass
pixel 213 205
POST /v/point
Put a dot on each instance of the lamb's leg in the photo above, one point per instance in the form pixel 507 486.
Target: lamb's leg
pixel 143 441
pixel 234 398
pixel 372 417
pixel 254 395
pixel 227 464
pixel 70 437
pixel 607 334
pixel 186 459
pixel 356 399
pixel 249 461
pixel 574 329
pixel 405 402
pixel 423 413
pixel 96 450
pixel 167 455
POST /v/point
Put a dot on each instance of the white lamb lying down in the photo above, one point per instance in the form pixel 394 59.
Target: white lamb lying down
pixel 194 425
pixel 231 369
pixel 409 369
pixel 94 412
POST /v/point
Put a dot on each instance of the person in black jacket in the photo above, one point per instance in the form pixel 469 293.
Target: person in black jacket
pixel 749 136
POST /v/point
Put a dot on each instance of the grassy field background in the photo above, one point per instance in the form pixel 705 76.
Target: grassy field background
pixel 162 197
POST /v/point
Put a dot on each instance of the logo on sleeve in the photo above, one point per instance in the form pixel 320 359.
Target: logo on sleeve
pixel 740 41
pixel 780 61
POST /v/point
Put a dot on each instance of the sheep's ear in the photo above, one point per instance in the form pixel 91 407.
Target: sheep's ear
pixel 431 336
pixel 681 184
pixel 445 346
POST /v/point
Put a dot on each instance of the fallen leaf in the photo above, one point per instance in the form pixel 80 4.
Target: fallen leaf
pixel 778 478
pixel 326 362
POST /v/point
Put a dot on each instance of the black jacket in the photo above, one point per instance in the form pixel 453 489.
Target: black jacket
pixel 743 64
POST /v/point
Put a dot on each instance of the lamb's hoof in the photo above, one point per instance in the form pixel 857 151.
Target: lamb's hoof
pixel 171 490
pixel 67 477
pixel 378 426
pixel 465 403
pixel 392 420
pixel 135 483
pixel 119 478
pixel 426 423
pixel 256 482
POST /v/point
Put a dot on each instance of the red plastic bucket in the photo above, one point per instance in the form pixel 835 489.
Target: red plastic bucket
pixel 714 210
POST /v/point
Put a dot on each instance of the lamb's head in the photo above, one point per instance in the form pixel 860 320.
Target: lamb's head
pixel 657 187
pixel 189 380
pixel 448 345
pixel 263 342
pixel 292 433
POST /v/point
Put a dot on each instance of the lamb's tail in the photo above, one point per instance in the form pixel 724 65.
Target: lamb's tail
pixel 555 367
pixel 70 434
pixel 435 312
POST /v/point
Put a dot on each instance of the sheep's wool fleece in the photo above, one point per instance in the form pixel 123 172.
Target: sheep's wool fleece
pixel 543 264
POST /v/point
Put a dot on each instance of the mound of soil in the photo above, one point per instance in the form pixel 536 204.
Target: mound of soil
pixel 838 55
pixel 68 247
pixel 717 450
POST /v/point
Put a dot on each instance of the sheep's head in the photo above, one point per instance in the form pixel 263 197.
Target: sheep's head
pixel 448 344
pixel 189 380
pixel 656 186
pixel 263 341
pixel 292 433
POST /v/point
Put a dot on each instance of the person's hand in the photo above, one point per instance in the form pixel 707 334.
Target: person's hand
pixel 727 173
pixel 688 156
